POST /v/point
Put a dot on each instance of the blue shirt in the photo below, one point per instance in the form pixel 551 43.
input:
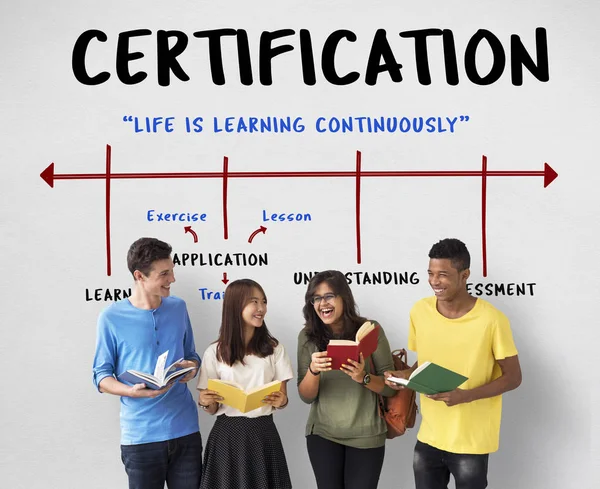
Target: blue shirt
pixel 131 338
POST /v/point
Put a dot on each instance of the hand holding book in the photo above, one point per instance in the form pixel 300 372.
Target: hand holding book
pixel 277 399
pixel 342 350
pixel 234 395
pixel 319 362
pixel 162 377
pixel 355 370
pixel 141 390
pixel 185 364
pixel 430 379
pixel 207 399
pixel 453 397
pixel 395 375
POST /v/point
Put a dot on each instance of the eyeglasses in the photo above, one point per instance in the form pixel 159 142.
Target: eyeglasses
pixel 316 300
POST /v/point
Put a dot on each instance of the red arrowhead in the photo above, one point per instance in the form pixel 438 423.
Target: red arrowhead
pixel 225 279
pixel 188 229
pixel 261 229
pixel 48 175
pixel 549 175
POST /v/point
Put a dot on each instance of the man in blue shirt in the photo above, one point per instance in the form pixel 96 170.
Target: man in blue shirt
pixel 160 438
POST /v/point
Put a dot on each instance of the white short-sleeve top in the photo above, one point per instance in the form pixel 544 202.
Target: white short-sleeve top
pixel 255 372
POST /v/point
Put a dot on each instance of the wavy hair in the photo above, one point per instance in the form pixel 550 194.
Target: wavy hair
pixel 317 331
pixel 144 252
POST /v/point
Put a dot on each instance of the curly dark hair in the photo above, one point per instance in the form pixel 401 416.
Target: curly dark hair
pixel 145 251
pixel 454 250
pixel 316 331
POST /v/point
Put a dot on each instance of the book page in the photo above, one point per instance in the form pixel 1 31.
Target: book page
pixel 342 342
pixel 397 380
pixel 173 365
pixel 146 377
pixel 419 369
pixel 159 370
pixel 364 330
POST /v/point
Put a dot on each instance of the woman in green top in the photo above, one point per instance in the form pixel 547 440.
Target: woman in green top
pixel 345 436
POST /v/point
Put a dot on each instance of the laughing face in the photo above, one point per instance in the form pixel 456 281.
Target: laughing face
pixel 328 306
pixel 445 280
pixel 255 310
pixel 158 281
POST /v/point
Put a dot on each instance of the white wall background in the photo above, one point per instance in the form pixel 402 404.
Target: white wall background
pixel 58 432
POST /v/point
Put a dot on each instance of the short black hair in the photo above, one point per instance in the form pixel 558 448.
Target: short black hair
pixel 145 251
pixel 454 250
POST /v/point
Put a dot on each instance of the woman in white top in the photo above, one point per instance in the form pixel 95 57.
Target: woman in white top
pixel 244 450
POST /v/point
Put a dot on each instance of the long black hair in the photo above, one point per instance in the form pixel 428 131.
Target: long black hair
pixel 317 331
pixel 230 345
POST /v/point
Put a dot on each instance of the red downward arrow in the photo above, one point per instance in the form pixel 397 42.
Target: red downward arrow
pixel 225 279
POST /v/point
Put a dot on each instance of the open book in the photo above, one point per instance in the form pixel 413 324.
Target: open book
pixel 366 342
pixel 161 376
pixel 235 396
pixel 430 378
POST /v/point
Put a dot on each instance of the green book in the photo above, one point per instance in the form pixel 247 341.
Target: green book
pixel 431 378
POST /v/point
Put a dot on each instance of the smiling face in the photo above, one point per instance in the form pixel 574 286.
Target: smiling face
pixel 446 281
pixel 158 281
pixel 330 308
pixel 255 310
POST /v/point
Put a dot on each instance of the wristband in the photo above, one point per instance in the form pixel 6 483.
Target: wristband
pixel 311 371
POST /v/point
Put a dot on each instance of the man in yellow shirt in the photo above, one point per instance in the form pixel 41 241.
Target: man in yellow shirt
pixel 459 429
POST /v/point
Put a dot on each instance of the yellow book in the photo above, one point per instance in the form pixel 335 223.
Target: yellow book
pixel 235 396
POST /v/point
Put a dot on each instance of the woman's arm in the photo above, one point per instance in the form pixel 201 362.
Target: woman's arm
pixel 381 361
pixel 309 385
pixel 278 399
pixel 310 365
pixel 209 400
pixel 357 372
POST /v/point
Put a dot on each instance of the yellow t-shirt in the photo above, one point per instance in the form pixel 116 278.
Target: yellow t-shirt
pixel 469 345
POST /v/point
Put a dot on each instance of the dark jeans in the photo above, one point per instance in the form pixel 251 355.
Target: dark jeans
pixel 177 461
pixel 433 467
pixel 341 467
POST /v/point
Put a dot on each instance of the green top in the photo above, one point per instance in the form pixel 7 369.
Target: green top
pixel 345 411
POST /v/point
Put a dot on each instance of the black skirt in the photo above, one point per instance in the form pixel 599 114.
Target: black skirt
pixel 244 453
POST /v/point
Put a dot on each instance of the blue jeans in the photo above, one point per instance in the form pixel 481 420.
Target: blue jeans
pixel 178 462
pixel 432 468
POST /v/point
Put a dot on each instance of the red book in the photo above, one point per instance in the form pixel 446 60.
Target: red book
pixel 366 343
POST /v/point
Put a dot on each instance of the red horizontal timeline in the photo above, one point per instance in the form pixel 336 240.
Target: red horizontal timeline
pixel 50 177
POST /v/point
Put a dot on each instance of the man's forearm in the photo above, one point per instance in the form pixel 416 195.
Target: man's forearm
pixel 494 388
pixel 110 385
